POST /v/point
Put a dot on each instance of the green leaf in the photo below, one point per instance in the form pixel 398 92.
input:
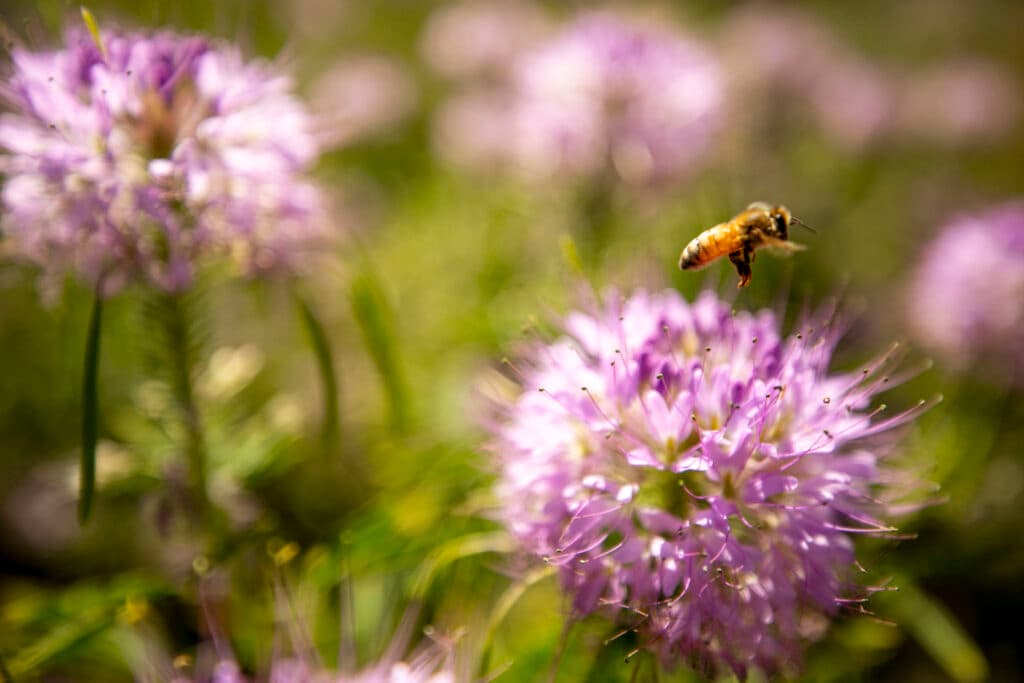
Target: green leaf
pixel 456 549
pixel 505 604
pixel 59 640
pixel 325 366
pixel 90 412
pixel 938 632
pixel 374 317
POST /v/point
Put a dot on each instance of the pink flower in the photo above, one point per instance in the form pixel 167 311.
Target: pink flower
pixel 138 161
pixel 966 300
pixel 697 476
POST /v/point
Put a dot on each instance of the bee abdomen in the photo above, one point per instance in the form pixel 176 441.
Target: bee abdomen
pixel 702 250
pixel 693 255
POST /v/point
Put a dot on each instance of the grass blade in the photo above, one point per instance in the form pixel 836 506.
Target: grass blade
pixel 374 318
pixel 90 412
pixel 505 604
pixel 325 367
pixel 58 641
pixel 938 632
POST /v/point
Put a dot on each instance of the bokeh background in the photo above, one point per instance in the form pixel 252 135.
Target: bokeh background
pixel 878 123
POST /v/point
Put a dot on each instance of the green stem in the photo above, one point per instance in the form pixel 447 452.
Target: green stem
pixel 376 322
pixel 328 378
pixel 90 411
pixel 503 606
pixel 179 347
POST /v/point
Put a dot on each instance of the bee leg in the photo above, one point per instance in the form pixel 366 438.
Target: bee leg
pixel 742 259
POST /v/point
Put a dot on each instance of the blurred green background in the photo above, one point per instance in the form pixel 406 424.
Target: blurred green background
pixel 439 273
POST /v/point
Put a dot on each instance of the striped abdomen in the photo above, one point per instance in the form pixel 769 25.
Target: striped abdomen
pixel 720 240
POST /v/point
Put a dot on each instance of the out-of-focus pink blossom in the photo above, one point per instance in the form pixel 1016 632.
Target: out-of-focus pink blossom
pixel 965 102
pixel 606 95
pixel 479 38
pixel 359 98
pixel 966 300
pixel 138 159
pixel 607 92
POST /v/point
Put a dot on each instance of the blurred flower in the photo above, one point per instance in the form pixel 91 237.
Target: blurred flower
pixel 296 671
pixel 854 105
pixel 959 103
pixel 810 70
pixel 793 62
pixel 432 662
pixel 698 476
pixel 480 37
pixel 604 94
pixel 856 100
pixel 966 299
pixel 471 130
pixel 136 159
pixel 359 98
pixel 608 92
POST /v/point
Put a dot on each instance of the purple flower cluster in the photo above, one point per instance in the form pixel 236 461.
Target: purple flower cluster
pixel 966 300
pixel 296 671
pixel 135 159
pixel 698 476
pixel 430 662
pixel 603 94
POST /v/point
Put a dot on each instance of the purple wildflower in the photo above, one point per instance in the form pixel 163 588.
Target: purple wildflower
pixel 607 92
pixel 962 102
pixel 136 159
pixel 604 95
pixel 966 300
pixel 431 662
pixel 296 671
pixel 698 476
pixel 361 98
pixel 480 38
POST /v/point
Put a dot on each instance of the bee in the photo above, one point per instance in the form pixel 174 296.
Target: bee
pixel 759 225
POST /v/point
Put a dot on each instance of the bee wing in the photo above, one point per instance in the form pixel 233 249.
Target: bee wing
pixel 782 246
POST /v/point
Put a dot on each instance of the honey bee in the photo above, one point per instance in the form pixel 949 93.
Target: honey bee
pixel 759 225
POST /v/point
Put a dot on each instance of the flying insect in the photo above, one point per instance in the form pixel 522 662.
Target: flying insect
pixel 760 225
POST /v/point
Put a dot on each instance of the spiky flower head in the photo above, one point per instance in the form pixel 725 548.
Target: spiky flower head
pixel 966 300
pixel 698 476
pixel 132 157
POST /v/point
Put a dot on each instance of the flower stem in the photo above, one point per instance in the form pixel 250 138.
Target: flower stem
pixel 90 411
pixel 331 433
pixel 179 342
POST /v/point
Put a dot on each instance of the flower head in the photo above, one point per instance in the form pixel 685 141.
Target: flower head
pixel 966 300
pixel 605 92
pixel 135 158
pixel 697 475
pixel 479 38
pixel 604 96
